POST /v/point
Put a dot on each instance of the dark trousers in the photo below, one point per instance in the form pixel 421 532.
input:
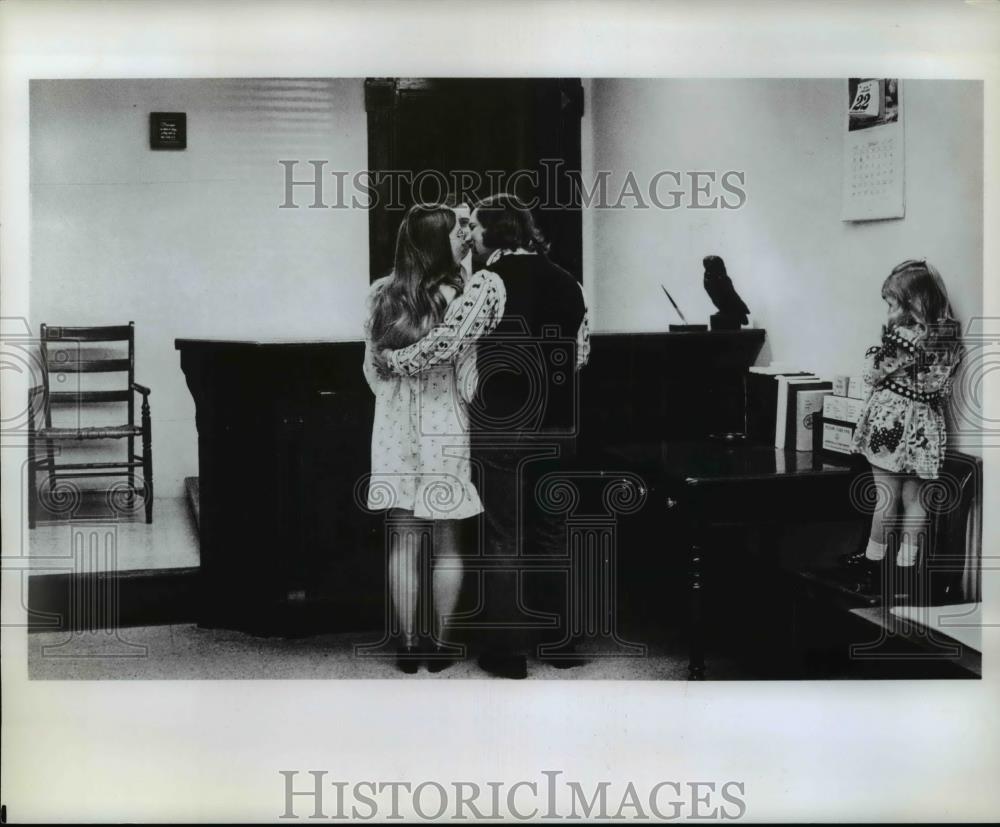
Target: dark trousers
pixel 523 533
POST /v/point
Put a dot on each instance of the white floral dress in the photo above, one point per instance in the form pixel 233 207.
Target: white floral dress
pixel 902 427
pixel 420 436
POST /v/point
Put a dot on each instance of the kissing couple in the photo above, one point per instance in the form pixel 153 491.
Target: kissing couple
pixel 458 384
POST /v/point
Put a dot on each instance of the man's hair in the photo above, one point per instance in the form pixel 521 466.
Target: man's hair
pixel 508 224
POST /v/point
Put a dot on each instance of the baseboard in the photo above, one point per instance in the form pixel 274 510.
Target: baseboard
pixel 72 602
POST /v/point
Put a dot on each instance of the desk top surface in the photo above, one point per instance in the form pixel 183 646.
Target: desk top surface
pixel 715 337
pixel 208 343
pixel 707 462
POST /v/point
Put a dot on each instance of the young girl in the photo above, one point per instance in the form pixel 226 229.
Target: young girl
pixel 421 468
pixel 902 431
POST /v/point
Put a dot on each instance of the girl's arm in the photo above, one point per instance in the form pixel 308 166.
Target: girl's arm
pixel 368 366
pixel 467 376
pixel 899 350
pixel 474 313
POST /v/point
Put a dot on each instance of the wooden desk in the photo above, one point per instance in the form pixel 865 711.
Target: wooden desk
pixel 284 439
pixel 705 484
pixel 641 386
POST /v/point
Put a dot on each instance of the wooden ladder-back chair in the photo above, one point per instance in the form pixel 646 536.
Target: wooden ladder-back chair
pixel 68 352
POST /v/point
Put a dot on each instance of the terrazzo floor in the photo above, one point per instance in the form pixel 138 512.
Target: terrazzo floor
pixel 185 652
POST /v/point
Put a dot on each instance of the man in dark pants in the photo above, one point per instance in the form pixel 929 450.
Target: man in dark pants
pixel 523 423
pixel 523 426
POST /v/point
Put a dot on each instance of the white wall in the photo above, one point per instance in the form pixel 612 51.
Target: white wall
pixel 810 279
pixel 191 243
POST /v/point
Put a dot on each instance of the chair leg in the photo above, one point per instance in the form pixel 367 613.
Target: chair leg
pixel 32 484
pixel 147 460
pixel 50 454
pixel 131 473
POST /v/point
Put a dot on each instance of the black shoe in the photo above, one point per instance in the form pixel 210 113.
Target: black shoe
pixel 441 657
pixel 408 659
pixel 566 659
pixel 855 560
pixel 513 667
pixel 566 663
pixel 872 576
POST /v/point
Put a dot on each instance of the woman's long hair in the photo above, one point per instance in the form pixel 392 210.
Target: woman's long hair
pixel 411 303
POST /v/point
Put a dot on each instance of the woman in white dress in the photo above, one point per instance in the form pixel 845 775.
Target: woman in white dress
pixel 421 471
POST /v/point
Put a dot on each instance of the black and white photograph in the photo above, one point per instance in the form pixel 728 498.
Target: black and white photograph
pixel 362 401
pixel 456 450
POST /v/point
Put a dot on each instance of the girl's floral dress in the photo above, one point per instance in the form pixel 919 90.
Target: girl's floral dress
pixel 909 376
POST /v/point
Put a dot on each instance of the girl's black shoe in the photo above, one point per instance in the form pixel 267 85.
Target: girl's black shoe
pixel 873 573
pixel 441 657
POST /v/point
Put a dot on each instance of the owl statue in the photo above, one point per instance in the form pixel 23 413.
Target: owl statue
pixel 732 309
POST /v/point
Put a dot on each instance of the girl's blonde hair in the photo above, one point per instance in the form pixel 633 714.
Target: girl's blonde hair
pixel 923 299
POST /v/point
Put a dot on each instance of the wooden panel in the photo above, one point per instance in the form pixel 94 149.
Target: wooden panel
pixel 478 125
pixel 63 397
pixel 117 333
pixel 651 386
pixel 88 366
pixel 284 439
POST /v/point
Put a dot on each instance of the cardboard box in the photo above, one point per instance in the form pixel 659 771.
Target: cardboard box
pixel 837 437
pixel 856 388
pixel 843 408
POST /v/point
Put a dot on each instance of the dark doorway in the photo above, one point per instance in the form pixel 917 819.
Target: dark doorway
pixel 430 138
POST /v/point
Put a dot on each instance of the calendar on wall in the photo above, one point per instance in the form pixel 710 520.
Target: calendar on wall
pixel 873 151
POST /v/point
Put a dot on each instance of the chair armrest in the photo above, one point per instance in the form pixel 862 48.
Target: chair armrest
pixel 140 388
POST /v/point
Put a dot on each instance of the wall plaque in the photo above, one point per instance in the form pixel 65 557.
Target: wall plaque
pixel 167 130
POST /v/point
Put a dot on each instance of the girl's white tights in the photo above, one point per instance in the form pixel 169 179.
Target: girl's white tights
pixel 900 490
pixel 875 551
pixel 907 554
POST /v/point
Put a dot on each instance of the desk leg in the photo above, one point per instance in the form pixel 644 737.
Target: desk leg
pixel 696 666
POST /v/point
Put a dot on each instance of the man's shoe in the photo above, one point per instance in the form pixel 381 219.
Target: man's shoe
pixel 513 667
pixel 566 659
pixel 566 663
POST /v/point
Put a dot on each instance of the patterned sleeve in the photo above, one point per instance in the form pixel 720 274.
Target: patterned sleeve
pixel 368 366
pixel 583 335
pixel 898 351
pixel 474 313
